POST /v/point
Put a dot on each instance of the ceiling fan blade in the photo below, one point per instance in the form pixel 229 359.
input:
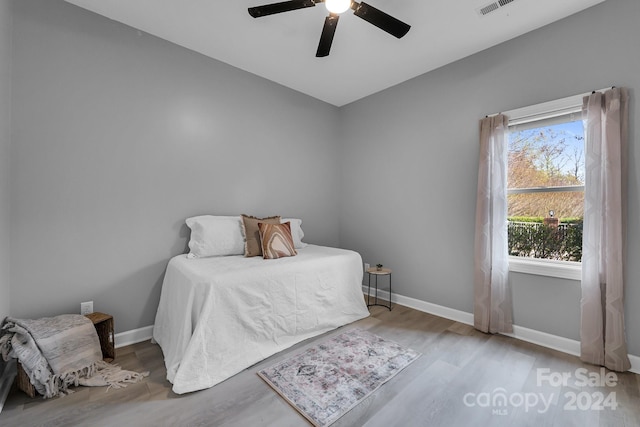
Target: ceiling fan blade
pixel 285 6
pixel 329 29
pixel 385 22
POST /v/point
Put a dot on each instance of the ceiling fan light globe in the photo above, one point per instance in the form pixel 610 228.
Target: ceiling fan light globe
pixel 337 6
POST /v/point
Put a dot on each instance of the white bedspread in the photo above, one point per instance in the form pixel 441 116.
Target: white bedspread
pixel 220 315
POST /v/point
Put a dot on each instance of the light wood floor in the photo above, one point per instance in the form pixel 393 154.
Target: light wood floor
pixel 447 386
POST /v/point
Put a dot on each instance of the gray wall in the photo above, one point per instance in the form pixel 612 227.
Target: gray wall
pixel 5 143
pixel 120 136
pixel 5 140
pixel 409 162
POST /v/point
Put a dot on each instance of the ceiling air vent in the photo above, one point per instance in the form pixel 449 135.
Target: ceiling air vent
pixel 488 8
pixel 492 7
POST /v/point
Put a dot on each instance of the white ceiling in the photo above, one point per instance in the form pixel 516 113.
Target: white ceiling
pixel 363 59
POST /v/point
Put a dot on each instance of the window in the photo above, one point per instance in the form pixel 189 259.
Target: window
pixel 545 198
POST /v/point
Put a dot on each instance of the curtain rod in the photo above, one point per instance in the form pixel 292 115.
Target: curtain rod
pixel 612 87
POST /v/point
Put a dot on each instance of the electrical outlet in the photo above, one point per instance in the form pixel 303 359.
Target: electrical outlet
pixel 366 266
pixel 86 307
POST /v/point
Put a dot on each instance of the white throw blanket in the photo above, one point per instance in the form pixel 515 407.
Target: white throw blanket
pixel 56 352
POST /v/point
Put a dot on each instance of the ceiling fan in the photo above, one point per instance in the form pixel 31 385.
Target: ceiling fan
pixel 385 22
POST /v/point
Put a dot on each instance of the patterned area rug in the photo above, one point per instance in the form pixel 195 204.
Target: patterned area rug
pixel 327 380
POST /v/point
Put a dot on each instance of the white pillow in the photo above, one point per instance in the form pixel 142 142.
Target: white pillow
pixel 296 231
pixel 215 236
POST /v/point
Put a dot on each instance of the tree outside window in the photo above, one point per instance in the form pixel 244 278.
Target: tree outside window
pixel 546 189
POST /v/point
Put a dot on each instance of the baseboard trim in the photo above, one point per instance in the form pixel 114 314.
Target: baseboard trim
pixel 133 336
pixel 427 307
pixel 635 364
pixel 543 339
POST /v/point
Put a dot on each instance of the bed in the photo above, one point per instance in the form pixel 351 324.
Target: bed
pixel 219 315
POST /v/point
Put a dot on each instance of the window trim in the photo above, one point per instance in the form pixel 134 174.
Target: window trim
pixel 546 110
pixel 546 267
pixel 566 188
pixel 543 267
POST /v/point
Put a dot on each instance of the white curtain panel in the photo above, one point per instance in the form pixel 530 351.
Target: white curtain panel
pixel 602 333
pixel 492 296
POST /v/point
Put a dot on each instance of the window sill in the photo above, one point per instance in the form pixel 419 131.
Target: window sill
pixel 545 267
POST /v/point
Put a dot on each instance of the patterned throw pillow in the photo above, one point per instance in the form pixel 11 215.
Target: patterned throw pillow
pixel 277 241
pixel 252 233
